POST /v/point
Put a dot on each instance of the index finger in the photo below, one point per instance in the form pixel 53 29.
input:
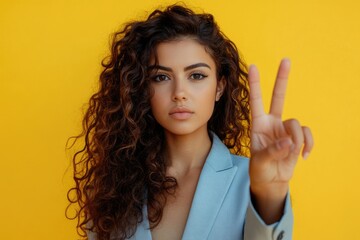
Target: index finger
pixel 256 104
pixel 278 97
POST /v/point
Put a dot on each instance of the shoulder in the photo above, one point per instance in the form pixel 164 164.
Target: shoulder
pixel 220 158
pixel 241 166
pixel 239 160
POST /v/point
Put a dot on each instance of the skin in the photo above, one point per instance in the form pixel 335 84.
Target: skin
pixel 187 82
pixel 185 91
pixel 275 146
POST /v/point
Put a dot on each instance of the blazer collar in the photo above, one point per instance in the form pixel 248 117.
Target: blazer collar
pixel 219 157
pixel 215 179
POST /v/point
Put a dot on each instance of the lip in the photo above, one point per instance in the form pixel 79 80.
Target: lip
pixel 181 113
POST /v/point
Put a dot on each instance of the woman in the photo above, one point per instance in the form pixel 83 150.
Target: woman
pixel 167 132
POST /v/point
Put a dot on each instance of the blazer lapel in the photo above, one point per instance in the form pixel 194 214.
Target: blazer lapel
pixel 214 182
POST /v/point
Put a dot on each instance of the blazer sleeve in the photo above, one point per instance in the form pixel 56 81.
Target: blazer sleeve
pixel 256 229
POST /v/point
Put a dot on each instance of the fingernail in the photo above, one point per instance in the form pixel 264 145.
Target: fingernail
pixel 287 59
pixel 305 155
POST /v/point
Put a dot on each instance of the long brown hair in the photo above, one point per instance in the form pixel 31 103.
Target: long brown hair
pixel 121 166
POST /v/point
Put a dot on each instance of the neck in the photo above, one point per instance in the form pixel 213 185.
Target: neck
pixel 187 152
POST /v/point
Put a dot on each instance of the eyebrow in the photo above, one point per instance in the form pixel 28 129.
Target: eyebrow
pixel 196 65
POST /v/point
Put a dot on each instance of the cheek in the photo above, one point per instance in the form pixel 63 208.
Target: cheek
pixel 157 101
pixel 154 104
pixel 207 94
pixel 207 101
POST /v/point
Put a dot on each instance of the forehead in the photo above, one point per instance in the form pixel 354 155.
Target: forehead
pixel 182 52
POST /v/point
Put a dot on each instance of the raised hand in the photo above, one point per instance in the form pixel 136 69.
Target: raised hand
pixel 275 144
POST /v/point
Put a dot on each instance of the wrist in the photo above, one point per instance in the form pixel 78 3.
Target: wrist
pixel 271 191
pixel 269 200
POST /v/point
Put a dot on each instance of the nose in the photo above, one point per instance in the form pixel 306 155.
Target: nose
pixel 179 90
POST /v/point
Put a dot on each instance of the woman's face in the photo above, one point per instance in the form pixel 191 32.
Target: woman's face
pixel 185 86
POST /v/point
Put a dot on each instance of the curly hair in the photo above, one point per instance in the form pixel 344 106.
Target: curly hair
pixel 121 165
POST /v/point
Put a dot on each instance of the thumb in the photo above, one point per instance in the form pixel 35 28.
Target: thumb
pixel 279 150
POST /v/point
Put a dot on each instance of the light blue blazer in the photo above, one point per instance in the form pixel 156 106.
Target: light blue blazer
pixel 221 207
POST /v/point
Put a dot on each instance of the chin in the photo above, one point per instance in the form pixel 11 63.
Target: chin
pixel 182 131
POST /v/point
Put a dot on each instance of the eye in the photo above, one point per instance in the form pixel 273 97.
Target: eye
pixel 160 78
pixel 197 76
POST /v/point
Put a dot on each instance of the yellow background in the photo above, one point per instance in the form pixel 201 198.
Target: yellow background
pixel 50 53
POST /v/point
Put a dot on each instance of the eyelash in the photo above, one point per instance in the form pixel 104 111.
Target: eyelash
pixel 156 77
pixel 202 76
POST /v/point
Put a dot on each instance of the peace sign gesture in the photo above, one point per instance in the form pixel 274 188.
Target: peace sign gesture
pixel 275 144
